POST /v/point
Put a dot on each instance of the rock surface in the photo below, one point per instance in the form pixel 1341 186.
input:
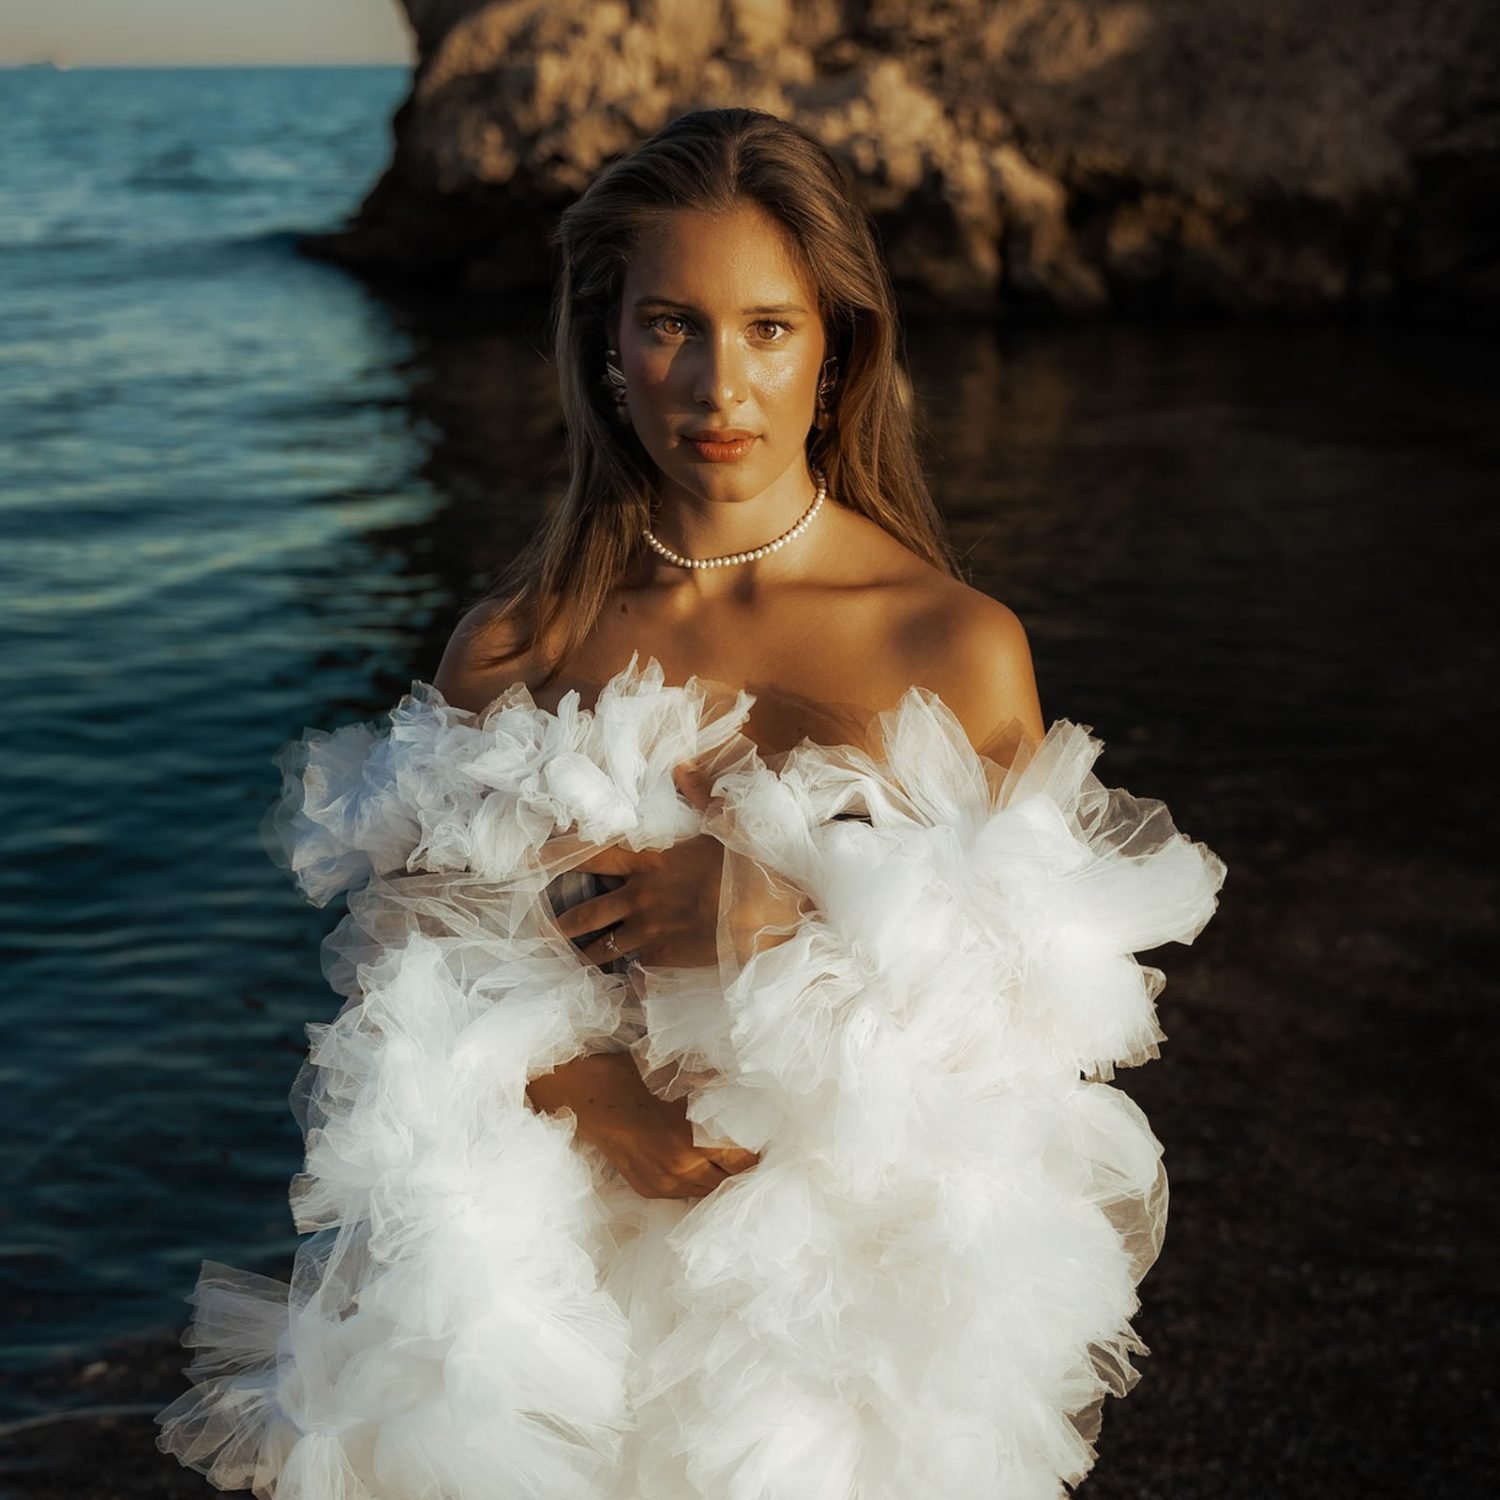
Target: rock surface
pixel 1026 156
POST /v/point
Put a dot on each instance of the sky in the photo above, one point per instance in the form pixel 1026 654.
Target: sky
pixel 105 33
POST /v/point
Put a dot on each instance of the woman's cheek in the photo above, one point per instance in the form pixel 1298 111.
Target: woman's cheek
pixel 787 383
pixel 656 381
pixel 647 368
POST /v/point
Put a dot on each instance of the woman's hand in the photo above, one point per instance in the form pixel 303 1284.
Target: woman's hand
pixel 648 1140
pixel 667 911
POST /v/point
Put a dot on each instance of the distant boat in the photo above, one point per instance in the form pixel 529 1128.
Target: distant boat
pixel 57 63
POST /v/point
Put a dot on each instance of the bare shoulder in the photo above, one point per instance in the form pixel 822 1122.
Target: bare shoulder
pixel 482 657
pixel 973 652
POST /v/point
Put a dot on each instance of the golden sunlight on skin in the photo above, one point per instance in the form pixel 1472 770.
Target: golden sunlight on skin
pixel 719 328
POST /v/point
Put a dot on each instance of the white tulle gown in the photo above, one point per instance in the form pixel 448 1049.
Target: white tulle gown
pixel 922 1289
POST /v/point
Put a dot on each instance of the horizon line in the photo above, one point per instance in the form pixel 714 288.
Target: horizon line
pixel 46 65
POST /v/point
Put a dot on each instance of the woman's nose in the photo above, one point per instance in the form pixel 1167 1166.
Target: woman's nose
pixel 719 379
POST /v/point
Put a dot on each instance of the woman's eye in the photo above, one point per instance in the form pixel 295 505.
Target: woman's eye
pixel 770 330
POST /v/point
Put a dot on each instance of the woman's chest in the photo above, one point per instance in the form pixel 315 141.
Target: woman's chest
pixel 812 675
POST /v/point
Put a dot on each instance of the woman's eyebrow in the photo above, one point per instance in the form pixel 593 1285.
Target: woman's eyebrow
pixel 768 307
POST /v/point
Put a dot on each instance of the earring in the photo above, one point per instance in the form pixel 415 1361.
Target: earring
pixel 614 383
pixel 823 413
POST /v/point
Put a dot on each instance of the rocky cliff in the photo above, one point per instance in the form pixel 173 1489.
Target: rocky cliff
pixel 1020 156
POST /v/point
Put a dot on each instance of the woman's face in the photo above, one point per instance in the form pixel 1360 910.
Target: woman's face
pixel 719 329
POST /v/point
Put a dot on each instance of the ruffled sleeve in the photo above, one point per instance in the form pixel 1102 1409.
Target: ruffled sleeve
pixel 917 1034
pixel 444 1331
pixel 439 788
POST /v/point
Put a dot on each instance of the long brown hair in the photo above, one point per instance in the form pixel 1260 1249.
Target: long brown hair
pixel 711 160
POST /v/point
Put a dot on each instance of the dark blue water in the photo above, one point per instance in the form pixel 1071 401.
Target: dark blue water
pixel 202 435
pixel 239 496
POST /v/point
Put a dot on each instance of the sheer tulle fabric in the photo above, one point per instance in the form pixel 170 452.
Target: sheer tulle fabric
pixel 925 981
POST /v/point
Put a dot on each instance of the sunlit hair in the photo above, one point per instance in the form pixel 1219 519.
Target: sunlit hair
pixel 712 160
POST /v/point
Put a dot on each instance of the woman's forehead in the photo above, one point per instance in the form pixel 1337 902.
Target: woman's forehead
pixel 739 261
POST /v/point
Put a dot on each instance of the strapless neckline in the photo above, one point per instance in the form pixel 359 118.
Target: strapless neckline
pixel 718 693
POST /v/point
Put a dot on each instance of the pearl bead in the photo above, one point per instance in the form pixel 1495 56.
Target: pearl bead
pixel 730 558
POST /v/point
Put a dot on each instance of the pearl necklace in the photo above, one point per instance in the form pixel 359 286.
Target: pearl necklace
pixel 738 557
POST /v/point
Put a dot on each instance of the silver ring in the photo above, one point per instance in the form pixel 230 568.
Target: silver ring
pixel 609 941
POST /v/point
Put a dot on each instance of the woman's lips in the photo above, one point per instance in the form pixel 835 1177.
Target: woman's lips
pixel 719 453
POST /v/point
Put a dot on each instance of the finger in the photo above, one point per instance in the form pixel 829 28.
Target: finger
pixel 731 1159
pixel 694 782
pixel 628 940
pixel 596 913
pixel 683 1178
pixel 700 1178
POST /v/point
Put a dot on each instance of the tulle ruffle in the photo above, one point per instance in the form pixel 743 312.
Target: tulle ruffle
pixel 926 979
pixel 443 788
pixel 925 1286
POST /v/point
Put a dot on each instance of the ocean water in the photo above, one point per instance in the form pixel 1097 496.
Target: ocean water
pixel 201 434
pixel 239 495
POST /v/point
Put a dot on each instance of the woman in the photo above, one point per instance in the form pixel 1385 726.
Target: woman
pixel 758 306
pixel 719 1104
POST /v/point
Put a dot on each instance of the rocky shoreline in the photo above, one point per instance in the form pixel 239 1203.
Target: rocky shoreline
pixel 1030 160
pixel 95 1439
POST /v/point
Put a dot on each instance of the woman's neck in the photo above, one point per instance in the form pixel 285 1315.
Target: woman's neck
pixel 698 527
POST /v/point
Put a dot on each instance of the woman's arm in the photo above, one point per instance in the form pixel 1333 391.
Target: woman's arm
pixel 985 675
pixel 648 1140
pixel 468 676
